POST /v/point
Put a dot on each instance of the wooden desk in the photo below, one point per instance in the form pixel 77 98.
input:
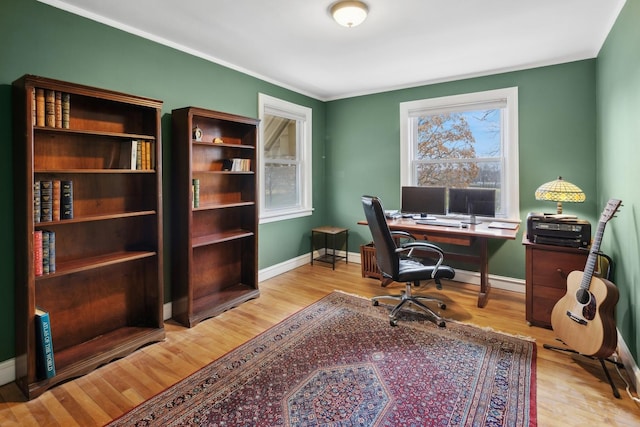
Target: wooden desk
pixel 474 234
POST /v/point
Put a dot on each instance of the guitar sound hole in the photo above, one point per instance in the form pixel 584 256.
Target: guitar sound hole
pixel 583 296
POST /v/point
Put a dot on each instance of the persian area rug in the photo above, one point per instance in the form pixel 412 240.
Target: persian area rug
pixel 338 362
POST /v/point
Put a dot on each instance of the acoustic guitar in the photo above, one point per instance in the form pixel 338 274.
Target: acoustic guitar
pixel 584 318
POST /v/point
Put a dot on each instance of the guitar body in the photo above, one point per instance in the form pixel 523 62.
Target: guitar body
pixel 588 327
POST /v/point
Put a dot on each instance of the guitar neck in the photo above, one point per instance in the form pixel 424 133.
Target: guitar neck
pixel 592 260
pixel 607 214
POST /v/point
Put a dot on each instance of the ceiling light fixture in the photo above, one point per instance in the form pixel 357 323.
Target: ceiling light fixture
pixel 349 13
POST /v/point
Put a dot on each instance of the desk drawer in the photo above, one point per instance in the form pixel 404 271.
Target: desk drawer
pixel 551 269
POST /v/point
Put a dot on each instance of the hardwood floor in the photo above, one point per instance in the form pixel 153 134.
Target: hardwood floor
pixel 571 390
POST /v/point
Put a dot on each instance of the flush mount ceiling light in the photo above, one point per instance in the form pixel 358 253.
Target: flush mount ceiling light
pixel 349 13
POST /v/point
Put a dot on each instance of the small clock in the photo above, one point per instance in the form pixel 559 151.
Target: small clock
pixel 197 133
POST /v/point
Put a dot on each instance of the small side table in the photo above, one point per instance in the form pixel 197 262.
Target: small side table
pixel 333 232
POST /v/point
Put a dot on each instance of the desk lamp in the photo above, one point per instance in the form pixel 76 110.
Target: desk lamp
pixel 560 191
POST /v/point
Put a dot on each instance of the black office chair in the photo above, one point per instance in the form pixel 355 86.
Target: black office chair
pixel 398 263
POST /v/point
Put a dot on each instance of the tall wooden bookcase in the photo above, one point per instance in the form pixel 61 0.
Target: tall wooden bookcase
pixel 215 224
pixel 106 294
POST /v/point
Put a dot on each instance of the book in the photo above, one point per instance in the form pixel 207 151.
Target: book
pixel 45 252
pixel 37 253
pixel 66 99
pixel 52 250
pixel 46 200
pixel 58 109
pixel 147 149
pixel 45 362
pixel 39 107
pixel 55 200
pixel 240 165
pixel 128 155
pixel 49 108
pixel 33 106
pixel 143 150
pixel 139 155
pixel 66 200
pixel 36 201
pixel 196 193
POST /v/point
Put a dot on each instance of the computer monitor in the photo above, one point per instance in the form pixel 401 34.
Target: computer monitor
pixel 472 201
pixel 424 200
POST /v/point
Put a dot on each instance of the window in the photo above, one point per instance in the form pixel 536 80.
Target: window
pixel 285 159
pixel 463 141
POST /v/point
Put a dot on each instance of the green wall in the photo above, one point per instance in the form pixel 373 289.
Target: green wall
pixel 618 157
pixel 556 137
pixel 41 40
pixel 355 140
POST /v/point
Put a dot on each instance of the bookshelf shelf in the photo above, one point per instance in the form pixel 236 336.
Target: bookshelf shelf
pixel 119 135
pixel 222 206
pixel 90 263
pixel 220 237
pixel 216 241
pixel 105 296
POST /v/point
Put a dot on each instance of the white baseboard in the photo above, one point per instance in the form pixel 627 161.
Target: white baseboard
pixel 629 363
pixel 7 371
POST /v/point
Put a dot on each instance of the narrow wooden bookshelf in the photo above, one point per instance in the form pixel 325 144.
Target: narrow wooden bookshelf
pixel 104 290
pixel 215 221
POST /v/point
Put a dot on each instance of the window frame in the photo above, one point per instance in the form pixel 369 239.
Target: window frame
pixel 464 102
pixel 303 115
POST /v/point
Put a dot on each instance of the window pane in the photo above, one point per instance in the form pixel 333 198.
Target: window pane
pixel 463 135
pixel 281 186
pixel 460 174
pixel 280 137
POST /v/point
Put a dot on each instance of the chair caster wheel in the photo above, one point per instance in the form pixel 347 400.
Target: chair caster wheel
pixel 441 323
pixel 393 322
pixel 375 303
pixel 442 306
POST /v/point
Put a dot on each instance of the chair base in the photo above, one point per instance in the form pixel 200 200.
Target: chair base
pixel 417 300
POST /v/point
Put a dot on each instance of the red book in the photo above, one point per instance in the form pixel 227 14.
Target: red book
pixel 37 253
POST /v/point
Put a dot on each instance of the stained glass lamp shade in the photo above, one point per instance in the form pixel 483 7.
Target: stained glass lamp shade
pixel 560 191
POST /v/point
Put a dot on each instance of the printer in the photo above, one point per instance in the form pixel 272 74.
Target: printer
pixel 559 230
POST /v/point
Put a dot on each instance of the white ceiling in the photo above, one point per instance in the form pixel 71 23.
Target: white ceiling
pixel 403 43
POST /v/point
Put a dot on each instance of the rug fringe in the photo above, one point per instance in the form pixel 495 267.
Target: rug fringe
pixel 339 291
pixel 490 329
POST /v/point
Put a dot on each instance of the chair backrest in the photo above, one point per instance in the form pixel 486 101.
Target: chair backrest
pixel 386 255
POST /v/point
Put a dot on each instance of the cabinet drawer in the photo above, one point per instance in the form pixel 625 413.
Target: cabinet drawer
pixel 551 269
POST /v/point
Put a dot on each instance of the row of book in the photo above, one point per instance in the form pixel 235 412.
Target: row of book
pixel 137 155
pixel 51 108
pixel 52 200
pixel 236 165
pixel 195 190
pixel 44 252
pixel 45 361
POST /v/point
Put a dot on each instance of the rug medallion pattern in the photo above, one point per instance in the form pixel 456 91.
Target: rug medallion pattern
pixel 338 362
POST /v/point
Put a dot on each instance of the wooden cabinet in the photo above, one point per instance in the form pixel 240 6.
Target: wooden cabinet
pixel 214 215
pixel 547 268
pixel 104 298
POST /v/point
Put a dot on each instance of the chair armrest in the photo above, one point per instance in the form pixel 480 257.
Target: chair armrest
pixel 428 247
pixel 399 233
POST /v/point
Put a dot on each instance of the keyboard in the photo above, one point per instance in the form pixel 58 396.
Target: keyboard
pixel 442 222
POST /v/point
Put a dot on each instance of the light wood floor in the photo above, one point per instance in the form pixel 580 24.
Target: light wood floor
pixel 572 391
